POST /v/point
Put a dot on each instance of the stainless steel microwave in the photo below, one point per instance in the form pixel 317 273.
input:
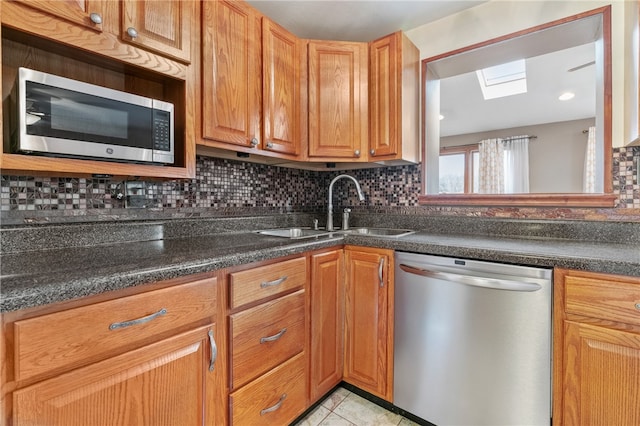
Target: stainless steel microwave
pixel 58 116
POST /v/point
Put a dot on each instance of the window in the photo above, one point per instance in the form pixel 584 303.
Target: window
pixel 459 170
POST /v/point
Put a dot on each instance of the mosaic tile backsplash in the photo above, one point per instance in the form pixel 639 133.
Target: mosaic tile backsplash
pixel 227 187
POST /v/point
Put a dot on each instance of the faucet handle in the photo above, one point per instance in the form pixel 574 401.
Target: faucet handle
pixel 347 210
pixel 315 224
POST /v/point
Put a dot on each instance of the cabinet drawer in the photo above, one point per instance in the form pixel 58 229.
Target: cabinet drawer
pixel 87 334
pixel 276 398
pixel 614 298
pixel 264 336
pixel 256 284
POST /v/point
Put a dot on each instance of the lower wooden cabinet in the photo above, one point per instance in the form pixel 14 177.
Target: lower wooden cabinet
pixel 597 358
pixel 268 342
pixel 368 352
pixel 149 358
pixel 276 398
pixel 163 383
pixel 327 322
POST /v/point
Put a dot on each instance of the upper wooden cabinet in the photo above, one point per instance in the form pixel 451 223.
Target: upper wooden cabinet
pixel 88 13
pixel 161 26
pixel 231 73
pixel 253 82
pixel 597 349
pixel 338 101
pixel 394 70
pixel 368 352
pixel 82 40
pixel 284 71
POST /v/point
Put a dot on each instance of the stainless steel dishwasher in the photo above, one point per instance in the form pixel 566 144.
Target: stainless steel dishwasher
pixel 472 341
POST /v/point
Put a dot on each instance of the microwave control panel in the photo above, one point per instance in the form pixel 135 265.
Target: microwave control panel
pixel 161 130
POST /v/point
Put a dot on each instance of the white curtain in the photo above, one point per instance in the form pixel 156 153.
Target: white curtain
pixel 589 184
pixel 491 173
pixel 516 165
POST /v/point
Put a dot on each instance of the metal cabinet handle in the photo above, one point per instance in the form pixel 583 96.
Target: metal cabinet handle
pixel 356 153
pixel 279 281
pixel 214 350
pixel 274 407
pixel 638 306
pixel 494 283
pixel 138 321
pixel 372 152
pixel 274 337
pixel 133 33
pixel 254 142
pixel 380 271
pixel 269 144
pixel 96 18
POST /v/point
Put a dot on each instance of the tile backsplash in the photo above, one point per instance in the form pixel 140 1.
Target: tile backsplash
pixel 228 187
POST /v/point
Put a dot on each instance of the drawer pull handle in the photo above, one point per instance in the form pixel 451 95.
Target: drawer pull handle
pixel 274 407
pixel 279 281
pixel 214 350
pixel 274 337
pixel 138 321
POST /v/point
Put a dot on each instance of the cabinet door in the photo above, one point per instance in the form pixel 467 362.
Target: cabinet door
pixel 167 383
pixel 369 320
pixel 88 13
pixel 231 73
pixel 161 26
pixel 394 99
pixel 601 377
pixel 338 100
pixel 284 96
pixel 327 318
pixel 384 93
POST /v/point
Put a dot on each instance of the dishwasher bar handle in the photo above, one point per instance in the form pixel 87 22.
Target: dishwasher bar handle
pixel 494 283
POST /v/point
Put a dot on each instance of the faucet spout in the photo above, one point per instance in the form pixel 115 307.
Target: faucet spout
pixel 330 204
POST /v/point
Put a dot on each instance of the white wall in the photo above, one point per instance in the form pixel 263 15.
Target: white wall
pixel 497 18
pixel 556 156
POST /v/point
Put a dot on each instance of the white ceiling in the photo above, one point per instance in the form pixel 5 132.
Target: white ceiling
pixel 463 105
pixel 359 20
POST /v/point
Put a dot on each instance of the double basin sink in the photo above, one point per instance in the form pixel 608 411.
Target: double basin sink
pixel 296 233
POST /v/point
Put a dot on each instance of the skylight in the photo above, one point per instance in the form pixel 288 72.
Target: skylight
pixel 503 80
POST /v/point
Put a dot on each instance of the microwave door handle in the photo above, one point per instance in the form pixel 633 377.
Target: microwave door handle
pixel 474 281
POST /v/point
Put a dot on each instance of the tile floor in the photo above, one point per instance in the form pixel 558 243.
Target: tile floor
pixel 345 408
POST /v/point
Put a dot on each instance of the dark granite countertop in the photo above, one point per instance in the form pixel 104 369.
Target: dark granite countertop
pixel 39 277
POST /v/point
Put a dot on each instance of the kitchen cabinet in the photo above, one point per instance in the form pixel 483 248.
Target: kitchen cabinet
pixel 338 101
pixel 368 352
pixel 268 335
pixel 597 358
pixel 163 383
pixel 253 82
pixel 231 73
pixel 87 13
pixel 284 76
pixel 146 358
pixel 327 322
pixel 163 27
pixel 61 38
pixel 394 70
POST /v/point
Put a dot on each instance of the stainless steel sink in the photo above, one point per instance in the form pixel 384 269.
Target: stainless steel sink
pixel 380 232
pixel 295 233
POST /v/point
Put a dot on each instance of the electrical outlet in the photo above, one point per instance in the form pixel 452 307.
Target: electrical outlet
pixel 136 195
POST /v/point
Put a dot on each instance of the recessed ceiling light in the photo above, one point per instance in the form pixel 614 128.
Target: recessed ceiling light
pixel 566 96
pixel 441 117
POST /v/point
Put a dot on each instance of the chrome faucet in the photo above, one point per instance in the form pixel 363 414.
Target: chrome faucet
pixel 330 208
